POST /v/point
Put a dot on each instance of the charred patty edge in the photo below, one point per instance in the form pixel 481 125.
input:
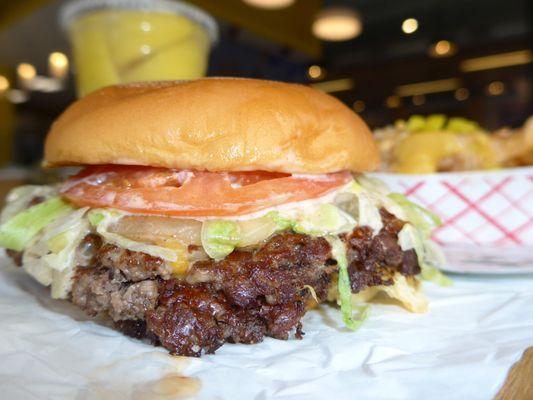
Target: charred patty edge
pixel 242 298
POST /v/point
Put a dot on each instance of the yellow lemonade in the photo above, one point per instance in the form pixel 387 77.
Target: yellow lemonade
pixel 127 45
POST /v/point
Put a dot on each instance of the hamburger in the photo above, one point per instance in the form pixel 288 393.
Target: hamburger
pixel 217 210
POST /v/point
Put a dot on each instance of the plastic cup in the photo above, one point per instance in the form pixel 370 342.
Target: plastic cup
pixel 121 41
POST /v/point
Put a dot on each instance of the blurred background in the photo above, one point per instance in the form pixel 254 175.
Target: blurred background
pixel 386 59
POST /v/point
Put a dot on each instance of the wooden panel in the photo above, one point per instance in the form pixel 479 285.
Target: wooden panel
pixel 13 10
pixel 290 26
pixel 519 382
pixel 7 122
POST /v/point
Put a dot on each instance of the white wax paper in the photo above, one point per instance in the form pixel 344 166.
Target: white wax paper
pixel 461 349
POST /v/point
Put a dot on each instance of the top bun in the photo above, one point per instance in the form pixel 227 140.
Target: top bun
pixel 213 124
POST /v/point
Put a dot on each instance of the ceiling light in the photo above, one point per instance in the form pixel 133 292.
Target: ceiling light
pixel 461 94
pixel 26 72
pixel 497 61
pixel 315 72
pixel 443 48
pixel 46 84
pixel 495 88
pixel 338 85
pixel 269 4
pixel 442 85
pixel 58 64
pixel 337 24
pixel 419 99
pixel 4 83
pixel 393 101
pixel 359 106
pixel 17 96
pixel 410 25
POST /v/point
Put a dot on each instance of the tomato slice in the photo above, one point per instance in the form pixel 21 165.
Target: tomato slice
pixel 148 190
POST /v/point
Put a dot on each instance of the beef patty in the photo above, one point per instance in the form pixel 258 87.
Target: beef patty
pixel 242 298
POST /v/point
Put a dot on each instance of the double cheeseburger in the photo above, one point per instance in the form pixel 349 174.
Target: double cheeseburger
pixel 217 210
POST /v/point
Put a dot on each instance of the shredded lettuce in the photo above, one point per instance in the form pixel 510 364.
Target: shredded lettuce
pixel 373 185
pixel 378 193
pixel 220 237
pixel 428 254
pixel 338 251
pixel 368 210
pixel 416 234
pixel 434 258
pixel 62 237
pixel 17 231
pixel 66 233
pixel 62 283
pixel 369 213
pixel 420 217
pixel 18 199
pixel 33 263
pixel 319 220
pixel 349 203
pixel 51 256
pixel 372 194
pixel 58 242
pixel 323 220
pixel 95 217
pixel 282 222
pixel 435 275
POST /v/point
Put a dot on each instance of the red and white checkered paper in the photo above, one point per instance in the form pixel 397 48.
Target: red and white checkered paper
pixel 478 208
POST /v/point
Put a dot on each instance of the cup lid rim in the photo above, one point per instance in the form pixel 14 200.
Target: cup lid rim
pixel 73 9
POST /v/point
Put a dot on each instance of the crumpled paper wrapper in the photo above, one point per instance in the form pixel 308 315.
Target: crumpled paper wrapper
pixel 461 349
